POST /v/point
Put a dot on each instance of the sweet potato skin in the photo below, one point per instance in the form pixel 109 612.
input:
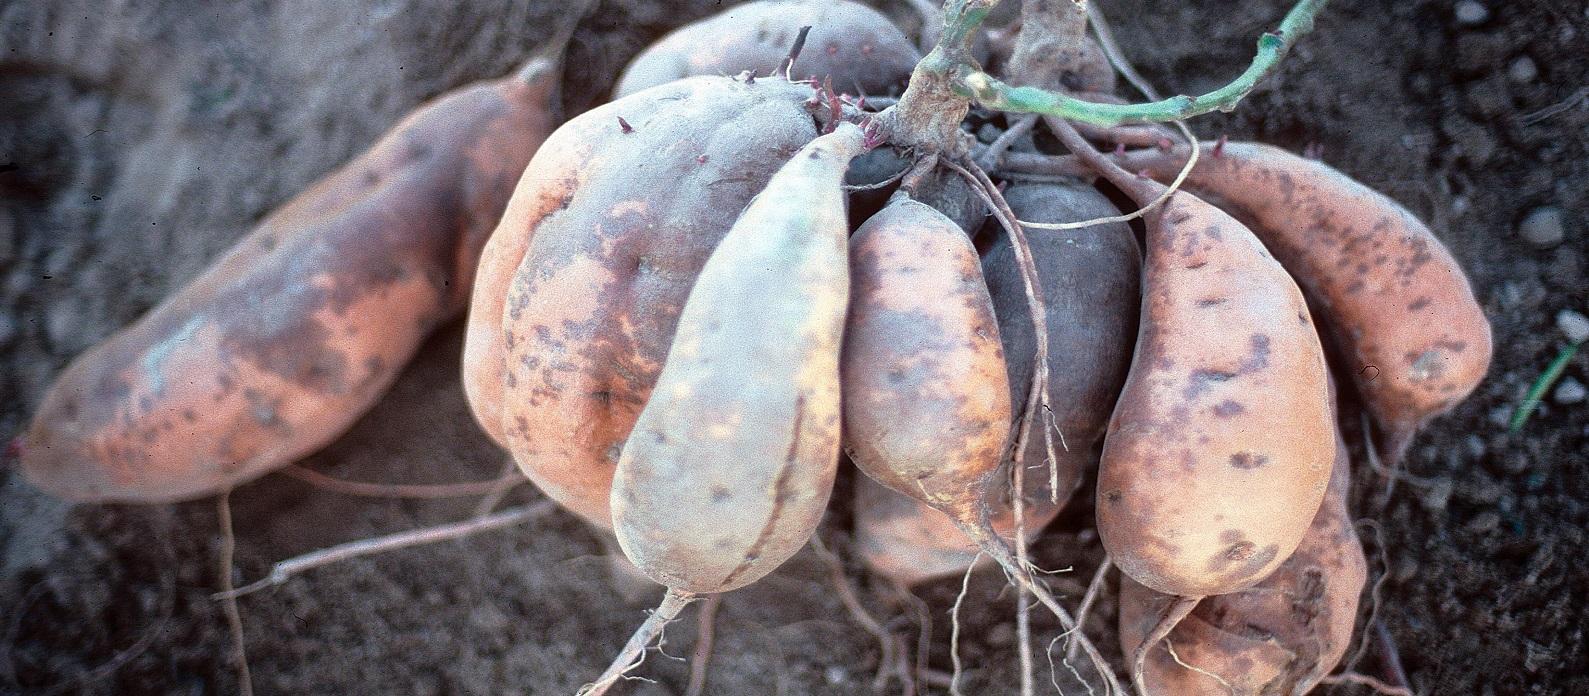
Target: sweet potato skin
pixel 1394 299
pixel 1279 637
pixel 732 461
pixel 926 393
pixel 293 333
pixel 851 43
pixel 618 220
pixel 1218 451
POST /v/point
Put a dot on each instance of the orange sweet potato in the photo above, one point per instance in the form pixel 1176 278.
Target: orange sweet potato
pixel 1279 637
pixel 1218 451
pixel 926 393
pixel 288 338
pixel 1396 302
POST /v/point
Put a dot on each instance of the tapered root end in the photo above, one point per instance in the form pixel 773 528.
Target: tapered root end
pixel 1393 444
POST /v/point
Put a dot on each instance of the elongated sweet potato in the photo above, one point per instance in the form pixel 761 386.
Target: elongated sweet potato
pixel 851 43
pixel 1277 638
pixel 926 394
pixel 593 261
pixel 732 460
pixel 1089 279
pixel 1394 299
pixel 1218 451
pixel 294 333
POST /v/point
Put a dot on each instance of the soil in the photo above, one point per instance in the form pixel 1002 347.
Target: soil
pixel 138 140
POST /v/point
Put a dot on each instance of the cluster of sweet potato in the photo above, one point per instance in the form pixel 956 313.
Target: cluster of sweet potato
pixel 685 321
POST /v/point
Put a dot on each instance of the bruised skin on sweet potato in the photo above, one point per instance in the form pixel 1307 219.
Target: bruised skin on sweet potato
pixel 1218 452
pixel 731 463
pixel 614 218
pixel 1396 302
pixel 288 338
pixel 926 394
pixel 1277 638
pixel 849 42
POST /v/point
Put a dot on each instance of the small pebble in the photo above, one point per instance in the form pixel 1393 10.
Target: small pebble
pixel 1471 13
pixel 1484 522
pixel 988 133
pixel 1573 324
pixel 1523 70
pixel 1437 495
pixel 1501 416
pixel 1570 391
pixel 1543 228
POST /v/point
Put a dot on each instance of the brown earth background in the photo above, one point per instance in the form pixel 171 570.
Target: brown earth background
pixel 139 139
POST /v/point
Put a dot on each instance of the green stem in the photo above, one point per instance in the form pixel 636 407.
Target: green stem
pixel 1543 384
pixel 975 84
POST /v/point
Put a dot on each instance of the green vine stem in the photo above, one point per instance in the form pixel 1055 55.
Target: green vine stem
pixel 949 65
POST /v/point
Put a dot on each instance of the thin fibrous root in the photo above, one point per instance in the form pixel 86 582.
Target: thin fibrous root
pixel 1023 606
pixel 954 630
pixel 285 570
pixel 1087 600
pixel 633 652
pixel 1038 399
pixel 234 620
pixel 841 585
pixel 394 490
pixel 991 156
pixel 1168 620
pixel 705 637
pixel 1364 680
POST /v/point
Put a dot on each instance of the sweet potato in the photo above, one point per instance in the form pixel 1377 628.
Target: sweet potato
pixel 853 44
pixel 926 394
pixel 1090 287
pixel 288 338
pixel 1277 638
pixel 1396 302
pixel 593 261
pixel 732 460
pixel 1218 451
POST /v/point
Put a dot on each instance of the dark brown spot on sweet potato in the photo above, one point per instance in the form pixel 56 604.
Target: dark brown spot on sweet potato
pixel 1248 460
pixel 1228 408
pixel 1201 380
